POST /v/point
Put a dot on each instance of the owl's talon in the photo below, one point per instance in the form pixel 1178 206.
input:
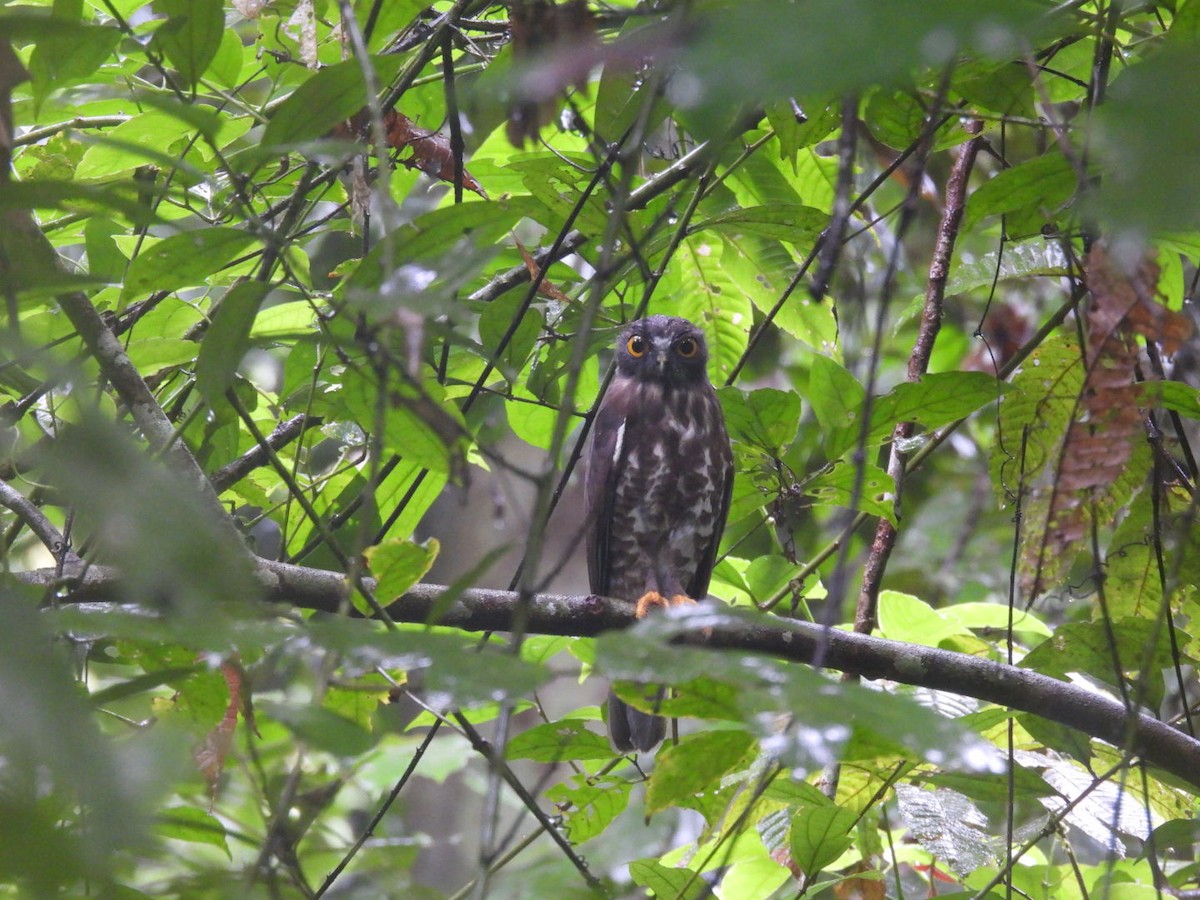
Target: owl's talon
pixel 649 601
pixel 682 600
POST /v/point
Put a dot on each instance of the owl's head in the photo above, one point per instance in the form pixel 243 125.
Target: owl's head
pixel 666 349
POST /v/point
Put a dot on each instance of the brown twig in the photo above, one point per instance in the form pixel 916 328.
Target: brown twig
pixel 918 363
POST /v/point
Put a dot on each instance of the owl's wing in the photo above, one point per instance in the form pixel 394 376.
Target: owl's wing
pixel 697 588
pixel 606 459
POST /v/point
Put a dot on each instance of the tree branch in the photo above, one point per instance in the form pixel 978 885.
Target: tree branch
pixel 918 364
pixel 869 657
pixel 41 526
pixel 285 432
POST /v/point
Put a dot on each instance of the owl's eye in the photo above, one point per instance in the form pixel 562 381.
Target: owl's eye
pixel 687 348
pixel 636 346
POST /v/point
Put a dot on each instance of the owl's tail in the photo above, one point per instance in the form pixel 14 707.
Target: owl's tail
pixel 631 729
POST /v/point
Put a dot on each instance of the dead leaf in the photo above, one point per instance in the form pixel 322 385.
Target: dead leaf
pixel 211 754
pixel 547 288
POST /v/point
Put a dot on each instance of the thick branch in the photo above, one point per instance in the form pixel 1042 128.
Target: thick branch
pixel 41 526
pixel 259 455
pixel 870 657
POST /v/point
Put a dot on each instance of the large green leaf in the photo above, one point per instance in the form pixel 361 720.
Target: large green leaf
pixel 819 835
pixel 398 564
pixel 330 96
pixel 766 418
pixel 183 260
pixel 1150 173
pixel 191 35
pixel 932 402
pixel 803 48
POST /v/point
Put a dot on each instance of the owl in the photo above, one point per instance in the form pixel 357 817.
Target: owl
pixel 659 479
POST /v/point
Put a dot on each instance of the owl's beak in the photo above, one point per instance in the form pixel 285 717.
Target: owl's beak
pixel 660 360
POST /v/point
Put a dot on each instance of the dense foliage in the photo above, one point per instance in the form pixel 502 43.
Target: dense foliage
pixel 308 304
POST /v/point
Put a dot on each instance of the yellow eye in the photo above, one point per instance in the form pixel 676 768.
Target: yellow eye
pixel 687 348
pixel 636 346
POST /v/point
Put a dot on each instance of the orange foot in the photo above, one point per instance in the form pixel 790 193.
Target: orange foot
pixel 652 599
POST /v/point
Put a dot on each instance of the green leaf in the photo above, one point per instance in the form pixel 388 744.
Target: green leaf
pixel 1149 171
pixel 766 418
pixel 835 397
pixel 1173 395
pixel 67 49
pixel 949 826
pixel 667 881
pixel 1092 648
pixel 226 65
pixel 899 119
pixel 1017 260
pixel 903 617
pixel 494 323
pixel 1043 183
pixel 285 320
pixel 1026 784
pixel 552 742
pixel 693 765
pixel 821 118
pixel 842 483
pixel 934 401
pixel 227 339
pixel 791 222
pixel 436 237
pixel 806 46
pixel 320 728
pixel 399 564
pixel 594 806
pixel 54 747
pixel 187 823
pixel 155 354
pixel 712 301
pixel 183 260
pixel 819 835
pixel 191 35
pixel 144 138
pixel 995 616
pixel 332 95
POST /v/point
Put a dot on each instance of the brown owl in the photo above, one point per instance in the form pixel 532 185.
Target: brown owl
pixel 659 479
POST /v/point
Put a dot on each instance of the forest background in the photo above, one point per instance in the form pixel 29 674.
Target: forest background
pixel 307 307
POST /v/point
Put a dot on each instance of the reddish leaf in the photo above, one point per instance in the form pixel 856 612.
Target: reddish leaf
pixel 210 756
pixel 431 151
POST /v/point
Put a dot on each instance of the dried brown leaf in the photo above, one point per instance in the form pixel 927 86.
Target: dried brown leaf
pixel 547 288
pixel 1107 425
pixel 431 151
pixel 211 754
